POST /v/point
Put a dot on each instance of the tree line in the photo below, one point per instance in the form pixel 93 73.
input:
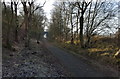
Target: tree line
pixel 21 27
pixel 82 20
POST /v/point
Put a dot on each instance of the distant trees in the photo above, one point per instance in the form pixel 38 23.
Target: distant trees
pixel 96 17
pixel 32 17
pixel 74 21
pixel 29 11
pixel 84 19
pixel 56 26
pixel 39 21
pixel 71 8
pixel 66 20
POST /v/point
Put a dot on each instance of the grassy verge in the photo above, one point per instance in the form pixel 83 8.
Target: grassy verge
pixel 104 56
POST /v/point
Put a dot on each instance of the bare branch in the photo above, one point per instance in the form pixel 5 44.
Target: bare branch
pixel 38 7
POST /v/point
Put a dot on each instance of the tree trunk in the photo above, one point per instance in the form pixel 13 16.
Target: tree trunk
pixel 81 32
pixel 77 38
pixel 9 26
pixel 26 28
pixel 16 20
pixel 26 23
pixel 72 37
pixel 118 38
pixel 87 44
pixel 8 39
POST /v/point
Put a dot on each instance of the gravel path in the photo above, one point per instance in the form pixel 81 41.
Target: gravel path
pixel 33 62
pixel 77 66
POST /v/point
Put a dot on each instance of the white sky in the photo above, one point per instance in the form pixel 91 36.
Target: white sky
pixel 49 4
pixel 47 7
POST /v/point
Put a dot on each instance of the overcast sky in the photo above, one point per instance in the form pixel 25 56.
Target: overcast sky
pixel 47 7
pixel 49 4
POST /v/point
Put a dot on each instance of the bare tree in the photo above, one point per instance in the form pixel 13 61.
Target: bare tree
pixel 118 43
pixel 82 7
pixel 8 10
pixel 16 20
pixel 71 21
pixel 28 15
pixel 66 19
pixel 95 17
pixel 26 21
